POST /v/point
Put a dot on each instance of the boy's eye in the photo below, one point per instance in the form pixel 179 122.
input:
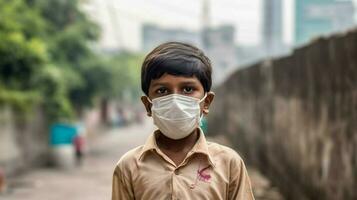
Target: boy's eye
pixel 187 90
pixel 161 91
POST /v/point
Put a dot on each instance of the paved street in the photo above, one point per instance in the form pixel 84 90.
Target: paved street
pixel 92 181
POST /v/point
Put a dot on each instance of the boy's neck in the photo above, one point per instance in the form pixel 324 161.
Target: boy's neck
pixel 182 145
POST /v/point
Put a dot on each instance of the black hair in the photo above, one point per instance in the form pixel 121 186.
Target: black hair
pixel 179 59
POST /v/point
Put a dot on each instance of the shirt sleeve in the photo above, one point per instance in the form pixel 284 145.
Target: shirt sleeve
pixel 239 187
pixel 121 186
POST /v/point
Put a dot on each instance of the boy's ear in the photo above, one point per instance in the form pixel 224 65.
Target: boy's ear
pixel 147 105
pixel 207 102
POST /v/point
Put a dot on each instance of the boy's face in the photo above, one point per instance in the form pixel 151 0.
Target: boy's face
pixel 171 84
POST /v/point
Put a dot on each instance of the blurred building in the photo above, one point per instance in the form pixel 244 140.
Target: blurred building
pixel 153 35
pixel 272 30
pixel 316 17
pixel 219 45
pixel 247 55
pixel 106 17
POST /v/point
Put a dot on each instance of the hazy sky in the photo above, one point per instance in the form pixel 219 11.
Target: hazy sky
pixel 121 19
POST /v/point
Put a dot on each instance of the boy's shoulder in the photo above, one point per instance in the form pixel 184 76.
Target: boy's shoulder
pixel 223 153
pixel 129 158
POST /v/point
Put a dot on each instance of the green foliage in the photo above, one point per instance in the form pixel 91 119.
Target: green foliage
pixel 108 77
pixel 46 58
pixel 126 72
pixel 54 92
pixel 95 78
pixel 17 16
pixel 19 100
pixel 22 52
pixel 20 59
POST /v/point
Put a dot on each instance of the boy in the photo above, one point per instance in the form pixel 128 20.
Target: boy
pixel 176 162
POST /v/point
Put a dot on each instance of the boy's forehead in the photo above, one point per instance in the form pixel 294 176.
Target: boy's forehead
pixel 174 79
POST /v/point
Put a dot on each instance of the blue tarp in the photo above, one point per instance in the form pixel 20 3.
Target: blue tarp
pixel 62 134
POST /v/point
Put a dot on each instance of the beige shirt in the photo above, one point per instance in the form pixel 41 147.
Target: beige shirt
pixel 209 171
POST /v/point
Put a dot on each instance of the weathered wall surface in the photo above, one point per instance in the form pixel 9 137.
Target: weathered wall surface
pixel 295 118
pixel 23 139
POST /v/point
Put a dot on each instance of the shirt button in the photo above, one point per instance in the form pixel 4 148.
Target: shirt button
pixel 176 172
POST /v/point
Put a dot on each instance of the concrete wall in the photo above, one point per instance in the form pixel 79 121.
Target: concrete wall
pixel 23 139
pixel 295 118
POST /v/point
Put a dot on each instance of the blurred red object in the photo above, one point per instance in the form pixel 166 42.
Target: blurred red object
pixel 79 143
pixel 2 181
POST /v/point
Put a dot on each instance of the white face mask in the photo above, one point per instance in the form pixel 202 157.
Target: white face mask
pixel 176 115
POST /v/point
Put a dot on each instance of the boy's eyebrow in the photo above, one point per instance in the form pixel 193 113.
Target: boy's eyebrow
pixel 188 82
pixel 160 84
pixel 169 83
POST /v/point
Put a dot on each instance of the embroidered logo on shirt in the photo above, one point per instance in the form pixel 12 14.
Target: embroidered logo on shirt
pixel 203 175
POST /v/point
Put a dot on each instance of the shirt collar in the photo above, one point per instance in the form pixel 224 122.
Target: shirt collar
pixel 149 145
pixel 199 147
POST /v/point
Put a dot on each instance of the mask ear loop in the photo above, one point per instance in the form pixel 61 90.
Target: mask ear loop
pixel 149 100
pixel 203 98
pixel 201 116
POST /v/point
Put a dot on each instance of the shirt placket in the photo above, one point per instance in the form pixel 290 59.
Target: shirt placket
pixel 174 174
pixel 174 180
pixel 175 171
